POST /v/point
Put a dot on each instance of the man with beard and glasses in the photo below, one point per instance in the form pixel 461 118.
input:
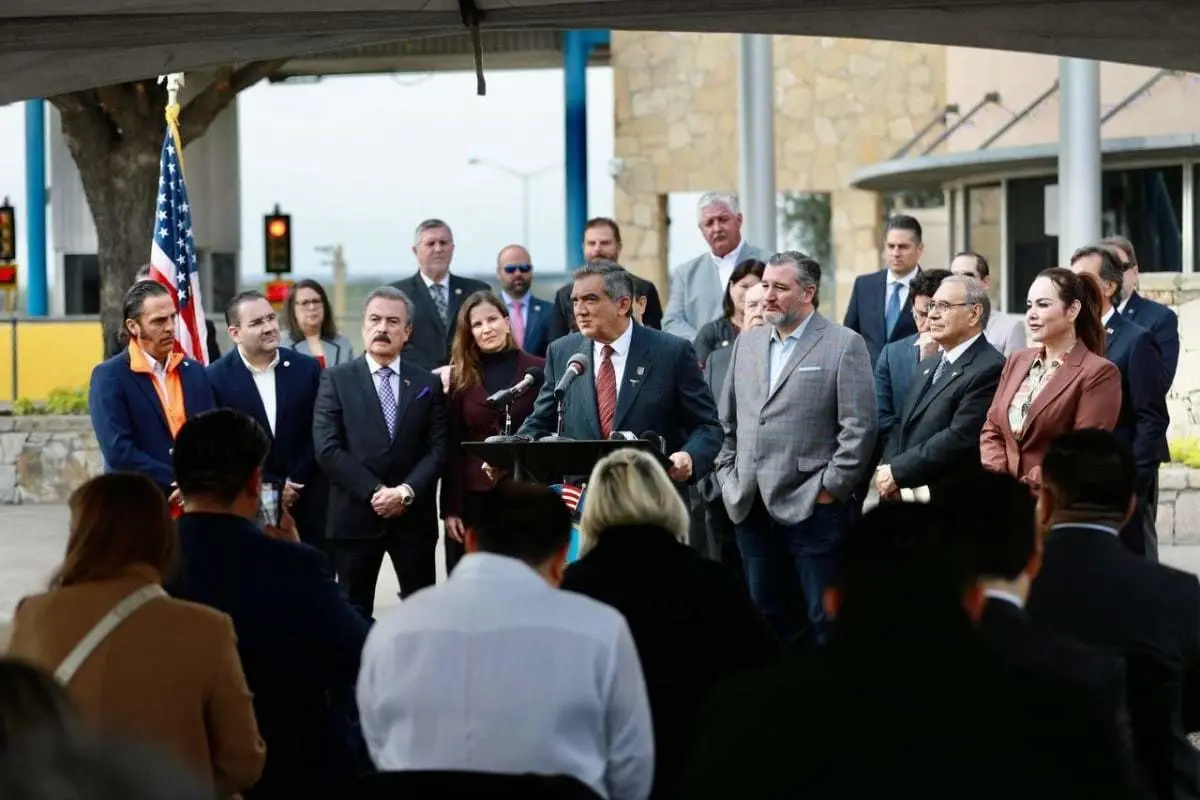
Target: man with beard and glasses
pixel 380 435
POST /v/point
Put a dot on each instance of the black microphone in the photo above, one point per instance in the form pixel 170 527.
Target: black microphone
pixel 659 441
pixel 576 366
pixel 533 377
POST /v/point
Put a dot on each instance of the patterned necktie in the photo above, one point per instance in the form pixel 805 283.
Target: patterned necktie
pixel 937 373
pixel 518 324
pixel 891 314
pixel 440 300
pixel 387 400
pixel 606 392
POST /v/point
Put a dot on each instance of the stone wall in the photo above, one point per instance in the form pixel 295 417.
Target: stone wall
pixel 1178 505
pixel 1182 293
pixel 44 459
pixel 841 104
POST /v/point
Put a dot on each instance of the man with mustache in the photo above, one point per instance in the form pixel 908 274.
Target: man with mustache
pixel 140 398
pixel 278 388
pixel 380 435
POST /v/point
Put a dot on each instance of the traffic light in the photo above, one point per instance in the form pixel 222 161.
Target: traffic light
pixel 278 249
pixel 277 292
pixel 8 232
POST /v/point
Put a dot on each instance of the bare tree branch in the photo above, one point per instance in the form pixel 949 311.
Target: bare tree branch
pixel 199 113
pixel 85 121
pixel 117 102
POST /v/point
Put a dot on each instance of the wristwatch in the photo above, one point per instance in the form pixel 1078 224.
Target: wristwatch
pixel 407 495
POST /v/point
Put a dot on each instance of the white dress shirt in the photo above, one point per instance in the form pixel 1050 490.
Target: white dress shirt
pixel 619 357
pixel 1003 596
pixel 496 671
pixel 956 353
pixel 158 370
pixel 393 379
pixel 264 381
pixel 1107 316
pixel 728 262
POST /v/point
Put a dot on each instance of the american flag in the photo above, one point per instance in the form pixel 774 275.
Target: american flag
pixel 571 495
pixel 173 251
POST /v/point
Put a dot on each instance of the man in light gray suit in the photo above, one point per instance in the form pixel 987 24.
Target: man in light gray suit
pixel 698 286
pixel 798 411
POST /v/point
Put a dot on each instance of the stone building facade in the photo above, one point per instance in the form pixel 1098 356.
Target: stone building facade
pixel 840 104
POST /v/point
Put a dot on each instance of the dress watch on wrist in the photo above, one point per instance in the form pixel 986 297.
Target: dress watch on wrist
pixel 407 495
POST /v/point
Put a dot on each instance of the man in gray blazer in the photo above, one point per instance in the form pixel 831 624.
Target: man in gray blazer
pixel 798 411
pixel 698 286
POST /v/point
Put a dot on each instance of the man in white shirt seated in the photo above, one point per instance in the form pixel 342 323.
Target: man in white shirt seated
pixel 496 670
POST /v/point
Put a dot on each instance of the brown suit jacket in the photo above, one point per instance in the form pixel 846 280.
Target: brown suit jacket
pixel 168 675
pixel 468 419
pixel 1084 393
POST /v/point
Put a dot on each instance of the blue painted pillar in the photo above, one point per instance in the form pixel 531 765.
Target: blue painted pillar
pixel 577 48
pixel 36 294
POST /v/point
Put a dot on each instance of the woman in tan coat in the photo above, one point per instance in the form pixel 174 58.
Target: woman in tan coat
pixel 168 673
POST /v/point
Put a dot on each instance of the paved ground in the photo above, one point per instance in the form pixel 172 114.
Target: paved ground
pixel 32 539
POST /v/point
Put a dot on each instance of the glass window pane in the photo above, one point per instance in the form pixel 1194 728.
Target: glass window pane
pixel 1145 206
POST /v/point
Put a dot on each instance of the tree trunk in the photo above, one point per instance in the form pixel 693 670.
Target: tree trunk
pixel 115 135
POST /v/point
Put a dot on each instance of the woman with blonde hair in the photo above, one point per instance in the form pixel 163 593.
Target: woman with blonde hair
pixel 693 623
pixel 135 662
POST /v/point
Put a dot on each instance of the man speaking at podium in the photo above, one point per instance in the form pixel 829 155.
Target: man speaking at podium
pixel 626 377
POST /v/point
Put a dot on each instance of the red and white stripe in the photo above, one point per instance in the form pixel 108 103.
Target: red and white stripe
pixel 190 332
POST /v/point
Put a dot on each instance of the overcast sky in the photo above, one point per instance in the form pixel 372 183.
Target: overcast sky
pixel 362 160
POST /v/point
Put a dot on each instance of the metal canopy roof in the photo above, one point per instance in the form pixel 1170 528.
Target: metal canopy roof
pixel 53 46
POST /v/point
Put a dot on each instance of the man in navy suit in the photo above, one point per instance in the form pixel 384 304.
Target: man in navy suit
pixel 140 398
pixel 380 435
pixel 436 296
pixel 299 638
pixel 528 316
pixel 1155 317
pixel 880 307
pixel 637 379
pixel 278 388
pixel 1142 425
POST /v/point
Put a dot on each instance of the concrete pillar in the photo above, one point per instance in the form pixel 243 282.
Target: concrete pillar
pixel 1078 155
pixel 36 294
pixel 756 137
pixel 577 50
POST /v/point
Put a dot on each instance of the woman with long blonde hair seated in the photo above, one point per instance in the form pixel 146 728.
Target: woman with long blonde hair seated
pixel 691 620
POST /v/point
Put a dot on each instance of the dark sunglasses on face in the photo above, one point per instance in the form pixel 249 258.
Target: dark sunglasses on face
pixel 509 269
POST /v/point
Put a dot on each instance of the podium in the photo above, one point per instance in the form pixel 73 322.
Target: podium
pixel 548 460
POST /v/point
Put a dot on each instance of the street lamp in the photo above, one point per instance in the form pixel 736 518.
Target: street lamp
pixel 526 178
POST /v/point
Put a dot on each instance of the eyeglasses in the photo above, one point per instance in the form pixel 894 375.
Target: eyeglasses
pixel 510 269
pixel 941 306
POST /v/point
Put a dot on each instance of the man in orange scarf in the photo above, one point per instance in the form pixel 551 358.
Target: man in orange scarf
pixel 140 398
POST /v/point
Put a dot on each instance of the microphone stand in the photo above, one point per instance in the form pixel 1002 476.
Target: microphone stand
pixel 557 436
pixel 506 436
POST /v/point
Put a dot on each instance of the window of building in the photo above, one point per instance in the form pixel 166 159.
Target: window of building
pixel 984 206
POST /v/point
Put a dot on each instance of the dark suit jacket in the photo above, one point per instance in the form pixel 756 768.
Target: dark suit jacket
pixel 717 334
pixel 1093 589
pixel 562 321
pixel 715 371
pixel 300 642
pixel 429 345
pixel 691 621
pixel 292 457
pixel 351 440
pixel 662 391
pixel 786 731
pixel 469 419
pixel 1142 425
pixel 1084 393
pixel 537 326
pixel 894 373
pixel 1163 323
pixel 868 301
pixel 937 434
pixel 114 345
pixel 129 421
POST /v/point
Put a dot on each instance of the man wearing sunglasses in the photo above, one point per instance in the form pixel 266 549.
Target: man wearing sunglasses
pixel 529 316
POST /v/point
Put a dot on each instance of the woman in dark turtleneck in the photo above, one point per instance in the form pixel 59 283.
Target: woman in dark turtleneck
pixel 484 359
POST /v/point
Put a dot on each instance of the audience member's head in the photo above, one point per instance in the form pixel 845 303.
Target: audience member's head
pixel 898 566
pixel 117 521
pixel 1087 476
pixel 525 521
pixel 148 319
pixel 746 274
pixel 752 306
pixel 83 767
pixel 1104 264
pixel 1063 308
pixel 1129 263
pixel 627 488
pixel 32 703
pixel 218 462
pixel 994 513
pixel 959 311
pixel 923 287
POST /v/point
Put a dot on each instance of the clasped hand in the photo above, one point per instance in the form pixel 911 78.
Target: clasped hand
pixel 389 502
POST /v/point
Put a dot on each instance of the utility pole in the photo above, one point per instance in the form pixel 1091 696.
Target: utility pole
pixel 338 262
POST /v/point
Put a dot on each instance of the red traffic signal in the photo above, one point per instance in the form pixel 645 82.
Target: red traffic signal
pixel 8 276
pixel 8 233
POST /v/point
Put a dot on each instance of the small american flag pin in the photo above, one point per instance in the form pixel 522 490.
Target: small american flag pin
pixel 641 370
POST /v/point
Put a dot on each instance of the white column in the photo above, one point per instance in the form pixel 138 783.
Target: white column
pixel 1078 155
pixel 756 138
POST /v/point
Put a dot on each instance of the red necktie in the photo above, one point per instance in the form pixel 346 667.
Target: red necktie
pixel 606 392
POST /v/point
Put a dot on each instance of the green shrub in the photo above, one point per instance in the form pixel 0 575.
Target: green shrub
pixel 61 402
pixel 1186 450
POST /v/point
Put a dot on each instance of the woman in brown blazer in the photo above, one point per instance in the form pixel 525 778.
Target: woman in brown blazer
pixel 1063 384
pixel 169 673
pixel 484 359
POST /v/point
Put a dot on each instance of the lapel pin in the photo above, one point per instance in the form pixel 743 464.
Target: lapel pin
pixel 926 372
pixel 407 382
pixel 1109 331
pixel 287 363
pixel 537 308
pixel 641 370
pixel 458 291
pixel 724 343
pixel 634 381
